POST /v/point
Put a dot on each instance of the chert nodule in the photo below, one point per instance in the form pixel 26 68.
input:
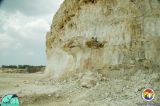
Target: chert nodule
pixel 103 34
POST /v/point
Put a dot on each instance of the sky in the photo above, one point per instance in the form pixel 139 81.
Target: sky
pixel 23 27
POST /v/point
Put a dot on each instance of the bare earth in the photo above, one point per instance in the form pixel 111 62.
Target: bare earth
pixel 38 91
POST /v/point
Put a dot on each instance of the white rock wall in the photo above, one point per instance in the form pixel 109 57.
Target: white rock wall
pixel 128 29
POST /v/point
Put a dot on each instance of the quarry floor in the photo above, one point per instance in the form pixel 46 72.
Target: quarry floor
pixel 37 90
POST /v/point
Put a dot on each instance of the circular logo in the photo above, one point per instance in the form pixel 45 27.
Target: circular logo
pixel 148 94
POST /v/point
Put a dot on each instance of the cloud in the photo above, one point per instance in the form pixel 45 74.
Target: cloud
pixel 1 2
pixel 35 28
pixel 5 41
pixel 31 7
pixel 31 53
pixel 20 28
pixel 23 28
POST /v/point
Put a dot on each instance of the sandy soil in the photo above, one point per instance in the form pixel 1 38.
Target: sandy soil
pixel 38 91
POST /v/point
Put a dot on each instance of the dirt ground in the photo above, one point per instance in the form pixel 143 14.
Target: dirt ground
pixel 114 91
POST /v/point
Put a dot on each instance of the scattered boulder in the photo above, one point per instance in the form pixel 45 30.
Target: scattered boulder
pixel 90 79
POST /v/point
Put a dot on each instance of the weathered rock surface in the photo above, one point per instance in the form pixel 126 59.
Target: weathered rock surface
pixel 104 35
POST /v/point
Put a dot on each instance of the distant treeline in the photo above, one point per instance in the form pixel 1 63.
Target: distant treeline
pixel 20 66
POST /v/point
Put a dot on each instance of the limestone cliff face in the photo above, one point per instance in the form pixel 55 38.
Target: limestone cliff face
pixel 103 35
